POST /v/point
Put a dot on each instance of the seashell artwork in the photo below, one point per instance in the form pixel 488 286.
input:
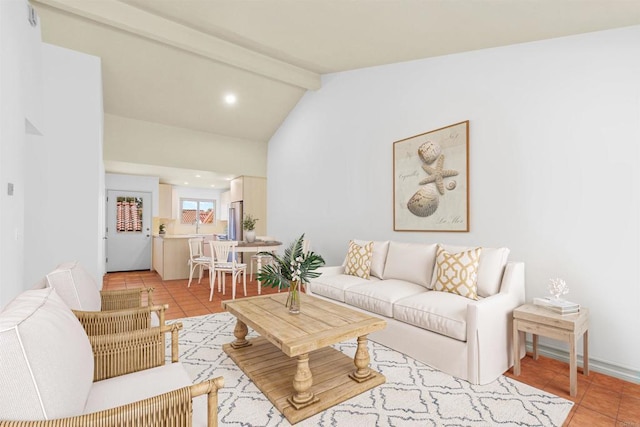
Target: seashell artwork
pixel 437 174
pixel 429 152
pixel 451 185
pixel 424 202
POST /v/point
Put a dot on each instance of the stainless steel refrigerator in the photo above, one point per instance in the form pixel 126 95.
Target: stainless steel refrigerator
pixel 235 222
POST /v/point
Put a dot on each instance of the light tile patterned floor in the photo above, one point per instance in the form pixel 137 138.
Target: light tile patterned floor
pixel 601 400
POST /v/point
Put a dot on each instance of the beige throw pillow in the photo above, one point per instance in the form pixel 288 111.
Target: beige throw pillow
pixel 457 273
pixel 359 260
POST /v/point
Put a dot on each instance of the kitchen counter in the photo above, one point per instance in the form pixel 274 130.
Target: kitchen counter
pixel 171 256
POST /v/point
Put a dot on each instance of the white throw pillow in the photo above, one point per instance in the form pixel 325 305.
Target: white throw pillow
pixel 378 257
pixel 412 262
pixel 75 286
pixel 46 368
pixel 490 268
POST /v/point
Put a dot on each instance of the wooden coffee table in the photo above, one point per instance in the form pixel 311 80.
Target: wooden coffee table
pixel 292 362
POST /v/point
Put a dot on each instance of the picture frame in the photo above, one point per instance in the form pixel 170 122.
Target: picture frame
pixel 431 180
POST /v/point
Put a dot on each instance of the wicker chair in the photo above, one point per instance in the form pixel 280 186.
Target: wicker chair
pixel 104 312
pixel 47 378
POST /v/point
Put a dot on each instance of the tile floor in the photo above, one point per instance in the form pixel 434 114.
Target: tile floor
pixel 601 400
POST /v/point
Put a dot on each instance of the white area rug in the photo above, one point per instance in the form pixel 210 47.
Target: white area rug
pixel 414 395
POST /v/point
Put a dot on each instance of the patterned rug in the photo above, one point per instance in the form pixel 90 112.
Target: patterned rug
pixel 414 395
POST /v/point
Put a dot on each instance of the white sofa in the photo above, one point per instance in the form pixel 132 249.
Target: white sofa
pixel 469 339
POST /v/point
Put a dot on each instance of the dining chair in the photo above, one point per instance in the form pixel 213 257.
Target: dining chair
pixel 197 259
pixel 224 261
pixel 260 260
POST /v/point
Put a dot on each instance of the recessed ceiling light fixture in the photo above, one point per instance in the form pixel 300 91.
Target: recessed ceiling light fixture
pixel 197 176
pixel 186 183
pixel 230 99
pixel 213 185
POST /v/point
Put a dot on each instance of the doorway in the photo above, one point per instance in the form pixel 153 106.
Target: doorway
pixel 128 234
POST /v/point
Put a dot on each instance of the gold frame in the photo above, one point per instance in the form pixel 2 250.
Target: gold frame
pixel 431 180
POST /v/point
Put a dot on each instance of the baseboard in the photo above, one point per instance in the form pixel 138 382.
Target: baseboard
pixel 594 364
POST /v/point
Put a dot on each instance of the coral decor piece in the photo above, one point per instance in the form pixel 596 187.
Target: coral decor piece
pixel 558 287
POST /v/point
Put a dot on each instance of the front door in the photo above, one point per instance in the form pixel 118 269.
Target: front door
pixel 128 231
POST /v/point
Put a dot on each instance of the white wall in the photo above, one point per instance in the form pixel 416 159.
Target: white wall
pixel 64 206
pixel 554 161
pixel 137 141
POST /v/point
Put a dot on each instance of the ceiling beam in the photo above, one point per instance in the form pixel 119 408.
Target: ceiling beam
pixel 136 21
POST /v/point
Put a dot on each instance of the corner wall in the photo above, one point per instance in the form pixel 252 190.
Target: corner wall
pixel 554 164
pixel 64 172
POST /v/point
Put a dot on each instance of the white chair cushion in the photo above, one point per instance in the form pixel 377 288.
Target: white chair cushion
pixel 118 391
pixel 490 268
pixel 333 286
pixel 46 361
pixel 439 312
pixel 412 262
pixel 378 256
pixel 379 297
pixel 75 286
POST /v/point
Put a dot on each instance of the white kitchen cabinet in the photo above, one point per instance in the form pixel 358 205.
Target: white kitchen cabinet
pixel 252 192
pixel 225 200
pixel 165 200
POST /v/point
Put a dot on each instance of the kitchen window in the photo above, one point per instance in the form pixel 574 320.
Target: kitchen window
pixel 197 211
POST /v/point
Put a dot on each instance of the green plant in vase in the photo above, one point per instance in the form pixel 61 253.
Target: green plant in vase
pixel 249 225
pixel 291 270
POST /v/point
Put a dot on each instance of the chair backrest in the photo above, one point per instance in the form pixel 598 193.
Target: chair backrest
pixel 220 249
pixel 75 286
pixel 195 248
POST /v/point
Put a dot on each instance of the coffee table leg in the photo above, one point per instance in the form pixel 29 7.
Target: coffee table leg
pixel 302 382
pixel 240 332
pixel 361 360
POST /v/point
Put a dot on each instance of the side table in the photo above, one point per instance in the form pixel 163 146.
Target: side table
pixel 568 327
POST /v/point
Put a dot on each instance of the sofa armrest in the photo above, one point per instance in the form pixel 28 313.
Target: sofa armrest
pixel 489 325
pixel 124 353
pixel 172 408
pixel 118 321
pixel 333 270
pixel 125 298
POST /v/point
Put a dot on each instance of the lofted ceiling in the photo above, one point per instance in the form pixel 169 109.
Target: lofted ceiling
pixel 172 61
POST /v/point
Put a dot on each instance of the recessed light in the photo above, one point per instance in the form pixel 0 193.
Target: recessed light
pixel 186 183
pixel 197 176
pixel 230 98
pixel 213 185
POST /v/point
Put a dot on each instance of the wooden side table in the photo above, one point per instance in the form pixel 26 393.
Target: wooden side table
pixel 569 328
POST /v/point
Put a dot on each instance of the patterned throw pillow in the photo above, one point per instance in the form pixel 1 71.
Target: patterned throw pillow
pixel 457 273
pixel 359 260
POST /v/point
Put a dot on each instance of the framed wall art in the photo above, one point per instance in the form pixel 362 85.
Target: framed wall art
pixel 431 180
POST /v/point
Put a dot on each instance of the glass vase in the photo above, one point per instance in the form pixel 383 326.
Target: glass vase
pixel 293 300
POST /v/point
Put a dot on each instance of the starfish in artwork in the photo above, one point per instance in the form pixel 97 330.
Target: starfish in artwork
pixel 437 174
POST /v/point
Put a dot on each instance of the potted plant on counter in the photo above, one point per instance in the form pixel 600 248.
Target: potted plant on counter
pixel 162 229
pixel 249 225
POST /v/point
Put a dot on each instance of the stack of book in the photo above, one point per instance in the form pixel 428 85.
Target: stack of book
pixel 558 305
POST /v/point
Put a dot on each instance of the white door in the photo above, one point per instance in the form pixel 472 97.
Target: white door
pixel 128 231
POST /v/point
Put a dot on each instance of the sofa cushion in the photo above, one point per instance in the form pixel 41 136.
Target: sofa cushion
pixel 378 256
pixel 359 260
pixel 412 262
pixel 46 361
pixel 379 297
pixel 333 286
pixel 490 268
pixel 439 312
pixel 118 391
pixel 75 286
pixel 457 273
